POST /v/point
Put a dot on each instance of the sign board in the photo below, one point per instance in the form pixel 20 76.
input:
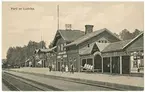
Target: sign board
pixel 58 56
pixel 64 55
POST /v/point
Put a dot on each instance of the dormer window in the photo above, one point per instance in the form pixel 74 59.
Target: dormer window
pixel 102 41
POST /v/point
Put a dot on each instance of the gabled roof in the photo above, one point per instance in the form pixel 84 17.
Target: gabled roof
pixel 90 35
pixel 101 46
pixel 141 34
pixel 120 45
pixel 86 50
pixel 116 46
pixel 69 35
pixel 97 46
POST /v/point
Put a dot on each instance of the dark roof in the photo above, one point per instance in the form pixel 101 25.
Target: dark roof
pixel 90 35
pixel 116 46
pixel 121 44
pixel 68 35
pixel 138 36
pixel 86 50
pixel 71 35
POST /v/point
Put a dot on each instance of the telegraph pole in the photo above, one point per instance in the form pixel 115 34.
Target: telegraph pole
pixel 57 17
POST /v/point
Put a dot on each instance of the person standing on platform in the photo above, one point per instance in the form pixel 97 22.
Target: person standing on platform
pixel 72 68
pixel 53 67
pixel 50 68
pixel 62 68
pixel 66 68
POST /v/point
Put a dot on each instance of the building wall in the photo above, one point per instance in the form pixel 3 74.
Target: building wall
pixel 73 57
pixel 73 51
pixel 105 35
pixel 61 56
pixel 136 46
pixel 117 53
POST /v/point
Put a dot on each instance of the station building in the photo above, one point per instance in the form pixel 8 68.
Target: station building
pixel 62 38
pixel 87 49
pixel 100 49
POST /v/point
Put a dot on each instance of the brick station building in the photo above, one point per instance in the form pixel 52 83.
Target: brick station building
pixel 101 49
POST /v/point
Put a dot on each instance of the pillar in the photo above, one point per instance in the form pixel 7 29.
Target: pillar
pixel 120 64
pixel 43 63
pixel 102 65
pixel 110 64
pixel 93 64
pixel 25 63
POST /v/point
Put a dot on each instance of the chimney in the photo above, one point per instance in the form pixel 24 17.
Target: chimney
pixel 68 26
pixel 88 29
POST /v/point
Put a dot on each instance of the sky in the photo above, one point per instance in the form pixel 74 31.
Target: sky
pixel 21 26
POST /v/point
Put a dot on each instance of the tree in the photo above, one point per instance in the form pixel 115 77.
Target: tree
pixel 18 55
pixel 125 34
pixel 136 32
pixel 42 44
pixel 50 45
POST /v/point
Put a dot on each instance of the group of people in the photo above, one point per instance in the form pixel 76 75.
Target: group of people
pixel 66 68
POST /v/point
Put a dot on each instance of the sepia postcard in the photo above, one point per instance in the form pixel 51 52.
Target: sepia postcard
pixel 72 46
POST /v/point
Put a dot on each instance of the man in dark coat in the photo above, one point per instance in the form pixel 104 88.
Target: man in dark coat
pixel 72 68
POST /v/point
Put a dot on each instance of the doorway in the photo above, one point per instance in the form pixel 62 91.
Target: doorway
pixel 97 63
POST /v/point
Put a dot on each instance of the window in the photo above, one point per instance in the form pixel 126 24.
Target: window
pixel 61 47
pixel 64 45
pixel 88 45
pixel 102 41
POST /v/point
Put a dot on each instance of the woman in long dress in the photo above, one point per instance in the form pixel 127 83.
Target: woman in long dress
pixel 66 68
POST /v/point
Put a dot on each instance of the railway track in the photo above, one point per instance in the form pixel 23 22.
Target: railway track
pixel 44 87
pixel 16 83
pixel 73 80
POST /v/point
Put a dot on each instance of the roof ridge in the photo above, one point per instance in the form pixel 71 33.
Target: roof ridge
pixel 133 40
pixel 121 41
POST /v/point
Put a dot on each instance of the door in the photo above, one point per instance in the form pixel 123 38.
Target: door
pixel 106 64
pixel 116 64
pixel 98 62
pixel 125 64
